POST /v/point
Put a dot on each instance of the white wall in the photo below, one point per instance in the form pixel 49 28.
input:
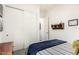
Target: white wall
pixel 22 27
pixel 63 13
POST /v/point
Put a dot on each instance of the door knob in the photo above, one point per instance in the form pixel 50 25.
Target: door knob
pixel 6 34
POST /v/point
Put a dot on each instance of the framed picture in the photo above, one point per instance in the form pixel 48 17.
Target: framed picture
pixel 73 22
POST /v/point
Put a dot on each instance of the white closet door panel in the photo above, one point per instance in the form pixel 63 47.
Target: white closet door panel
pixel 30 28
pixel 13 27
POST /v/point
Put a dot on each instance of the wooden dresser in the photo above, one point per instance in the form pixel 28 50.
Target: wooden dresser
pixel 6 48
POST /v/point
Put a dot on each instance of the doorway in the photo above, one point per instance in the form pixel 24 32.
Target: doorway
pixel 43 29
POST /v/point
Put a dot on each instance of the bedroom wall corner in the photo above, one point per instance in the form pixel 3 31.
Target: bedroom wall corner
pixel 63 13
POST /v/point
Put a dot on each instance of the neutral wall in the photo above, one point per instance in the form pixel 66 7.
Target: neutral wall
pixel 63 13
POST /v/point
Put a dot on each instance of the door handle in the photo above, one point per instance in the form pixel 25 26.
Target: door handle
pixel 6 34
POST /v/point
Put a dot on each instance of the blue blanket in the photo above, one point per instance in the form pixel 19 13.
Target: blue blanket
pixel 36 47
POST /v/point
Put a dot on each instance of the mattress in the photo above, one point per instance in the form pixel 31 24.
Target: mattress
pixel 62 49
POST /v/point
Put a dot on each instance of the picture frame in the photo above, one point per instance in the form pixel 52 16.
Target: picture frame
pixel 73 22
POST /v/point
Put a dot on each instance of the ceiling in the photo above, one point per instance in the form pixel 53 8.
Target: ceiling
pixel 44 8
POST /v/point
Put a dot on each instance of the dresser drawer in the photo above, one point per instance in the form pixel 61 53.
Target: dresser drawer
pixel 6 48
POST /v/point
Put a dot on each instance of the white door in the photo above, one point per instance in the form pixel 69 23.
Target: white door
pixel 13 27
pixel 47 28
pixel 43 27
pixel 31 29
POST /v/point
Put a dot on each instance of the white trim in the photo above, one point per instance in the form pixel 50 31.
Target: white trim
pixel 14 8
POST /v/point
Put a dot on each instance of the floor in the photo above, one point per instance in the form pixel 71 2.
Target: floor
pixel 19 52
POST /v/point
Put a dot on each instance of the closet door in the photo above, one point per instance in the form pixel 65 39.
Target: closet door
pixel 31 28
pixel 13 27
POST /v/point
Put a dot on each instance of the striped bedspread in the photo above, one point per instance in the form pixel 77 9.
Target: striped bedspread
pixel 62 49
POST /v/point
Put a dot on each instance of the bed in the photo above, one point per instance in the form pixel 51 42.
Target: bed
pixel 50 47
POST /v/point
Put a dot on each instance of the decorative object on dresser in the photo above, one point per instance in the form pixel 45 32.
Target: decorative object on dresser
pixel 58 26
pixel 6 48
